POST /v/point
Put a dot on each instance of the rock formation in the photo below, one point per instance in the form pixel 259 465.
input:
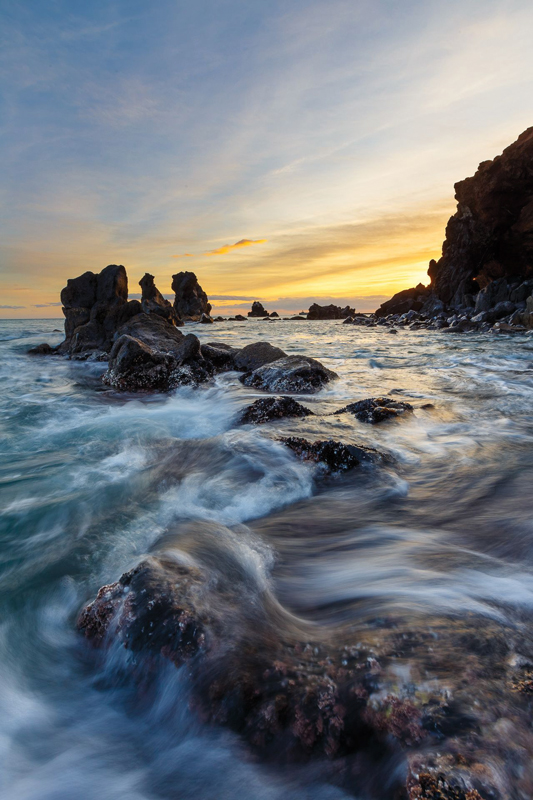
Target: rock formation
pixel 95 306
pixel 487 255
pixel 191 300
pixel 153 302
pixel 329 312
pixel 376 409
pixel 258 310
pixel 290 374
pixel 267 409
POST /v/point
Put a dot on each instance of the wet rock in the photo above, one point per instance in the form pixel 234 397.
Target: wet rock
pixel 95 306
pixel 349 321
pixel 219 355
pixel 293 374
pixel 267 409
pixel 258 310
pixel 205 319
pixel 43 349
pixel 256 355
pixel 274 314
pixel 329 312
pixel 153 331
pixel 376 409
pixel 191 300
pixel 405 301
pixel 135 366
pixel 239 318
pixel 336 456
pixel 153 302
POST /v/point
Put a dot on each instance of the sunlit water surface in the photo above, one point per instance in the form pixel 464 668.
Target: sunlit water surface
pixel 90 481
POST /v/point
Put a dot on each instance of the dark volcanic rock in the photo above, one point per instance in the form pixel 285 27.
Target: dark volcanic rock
pixel 256 355
pixel 405 301
pixel 154 331
pixel 329 312
pixel 376 409
pixel 135 366
pixel 258 310
pixel 43 349
pixel 268 408
pixel 153 302
pixel 95 306
pixel 205 319
pixel 336 456
pixel 290 374
pixel 191 300
pixel 274 314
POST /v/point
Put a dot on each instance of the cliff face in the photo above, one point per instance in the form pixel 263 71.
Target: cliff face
pixel 491 234
pixel 489 237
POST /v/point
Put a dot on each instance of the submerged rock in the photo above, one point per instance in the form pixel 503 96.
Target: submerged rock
pixel 268 408
pixel 297 374
pixel 43 349
pixel 337 457
pixel 191 300
pixel 376 409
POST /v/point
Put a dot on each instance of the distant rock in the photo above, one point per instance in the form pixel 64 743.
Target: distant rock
pixel 337 457
pixel 296 374
pixel 258 310
pixel 267 409
pixel 205 319
pixel 256 355
pixel 191 300
pixel 274 314
pixel 42 350
pixel 239 318
pixel 95 306
pixel 404 301
pixel 329 312
pixel 153 302
pixel 376 409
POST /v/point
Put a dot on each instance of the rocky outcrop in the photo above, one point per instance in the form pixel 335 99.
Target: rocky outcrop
pixel 329 312
pixel 258 310
pixel 191 300
pixel 487 255
pixel 295 374
pixel 376 409
pixel 153 302
pixel 267 409
pixel 256 355
pixel 95 306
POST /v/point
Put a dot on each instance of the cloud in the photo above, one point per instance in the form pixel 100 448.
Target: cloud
pixel 12 307
pixel 184 255
pixel 45 305
pixel 231 297
pixel 220 251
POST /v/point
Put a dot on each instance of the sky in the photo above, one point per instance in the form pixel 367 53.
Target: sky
pixel 290 152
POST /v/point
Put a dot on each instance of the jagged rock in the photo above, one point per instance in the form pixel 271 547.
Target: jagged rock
pixel 43 349
pixel 268 408
pixel 290 374
pixel 153 331
pixel 405 301
pixel 134 366
pixel 290 697
pixel 376 409
pixel 219 355
pixel 258 310
pixel 337 457
pixel 153 302
pixel 191 300
pixel 95 306
pixel 329 312
pixel 256 355
pixel 205 319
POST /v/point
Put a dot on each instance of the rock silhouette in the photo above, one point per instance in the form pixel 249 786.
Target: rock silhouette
pixel 191 300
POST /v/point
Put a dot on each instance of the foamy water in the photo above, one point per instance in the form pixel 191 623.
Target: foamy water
pixel 91 480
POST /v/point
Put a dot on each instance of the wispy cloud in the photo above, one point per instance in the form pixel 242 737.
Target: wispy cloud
pixel 226 248
pixel 12 308
pixel 184 255
pixel 45 305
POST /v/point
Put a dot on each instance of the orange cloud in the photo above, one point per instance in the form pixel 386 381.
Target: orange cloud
pixel 184 255
pixel 220 251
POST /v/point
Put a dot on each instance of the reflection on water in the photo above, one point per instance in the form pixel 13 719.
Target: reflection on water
pixel 89 481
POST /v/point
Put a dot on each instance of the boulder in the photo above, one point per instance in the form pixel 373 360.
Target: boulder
pixel 267 409
pixel 153 302
pixel 256 355
pixel 405 301
pixel 329 312
pixel 219 355
pixel 154 331
pixel 43 349
pixel 376 409
pixel 258 310
pixel 239 318
pixel 296 374
pixel 205 319
pixel 274 314
pixel 191 300
pixel 337 457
